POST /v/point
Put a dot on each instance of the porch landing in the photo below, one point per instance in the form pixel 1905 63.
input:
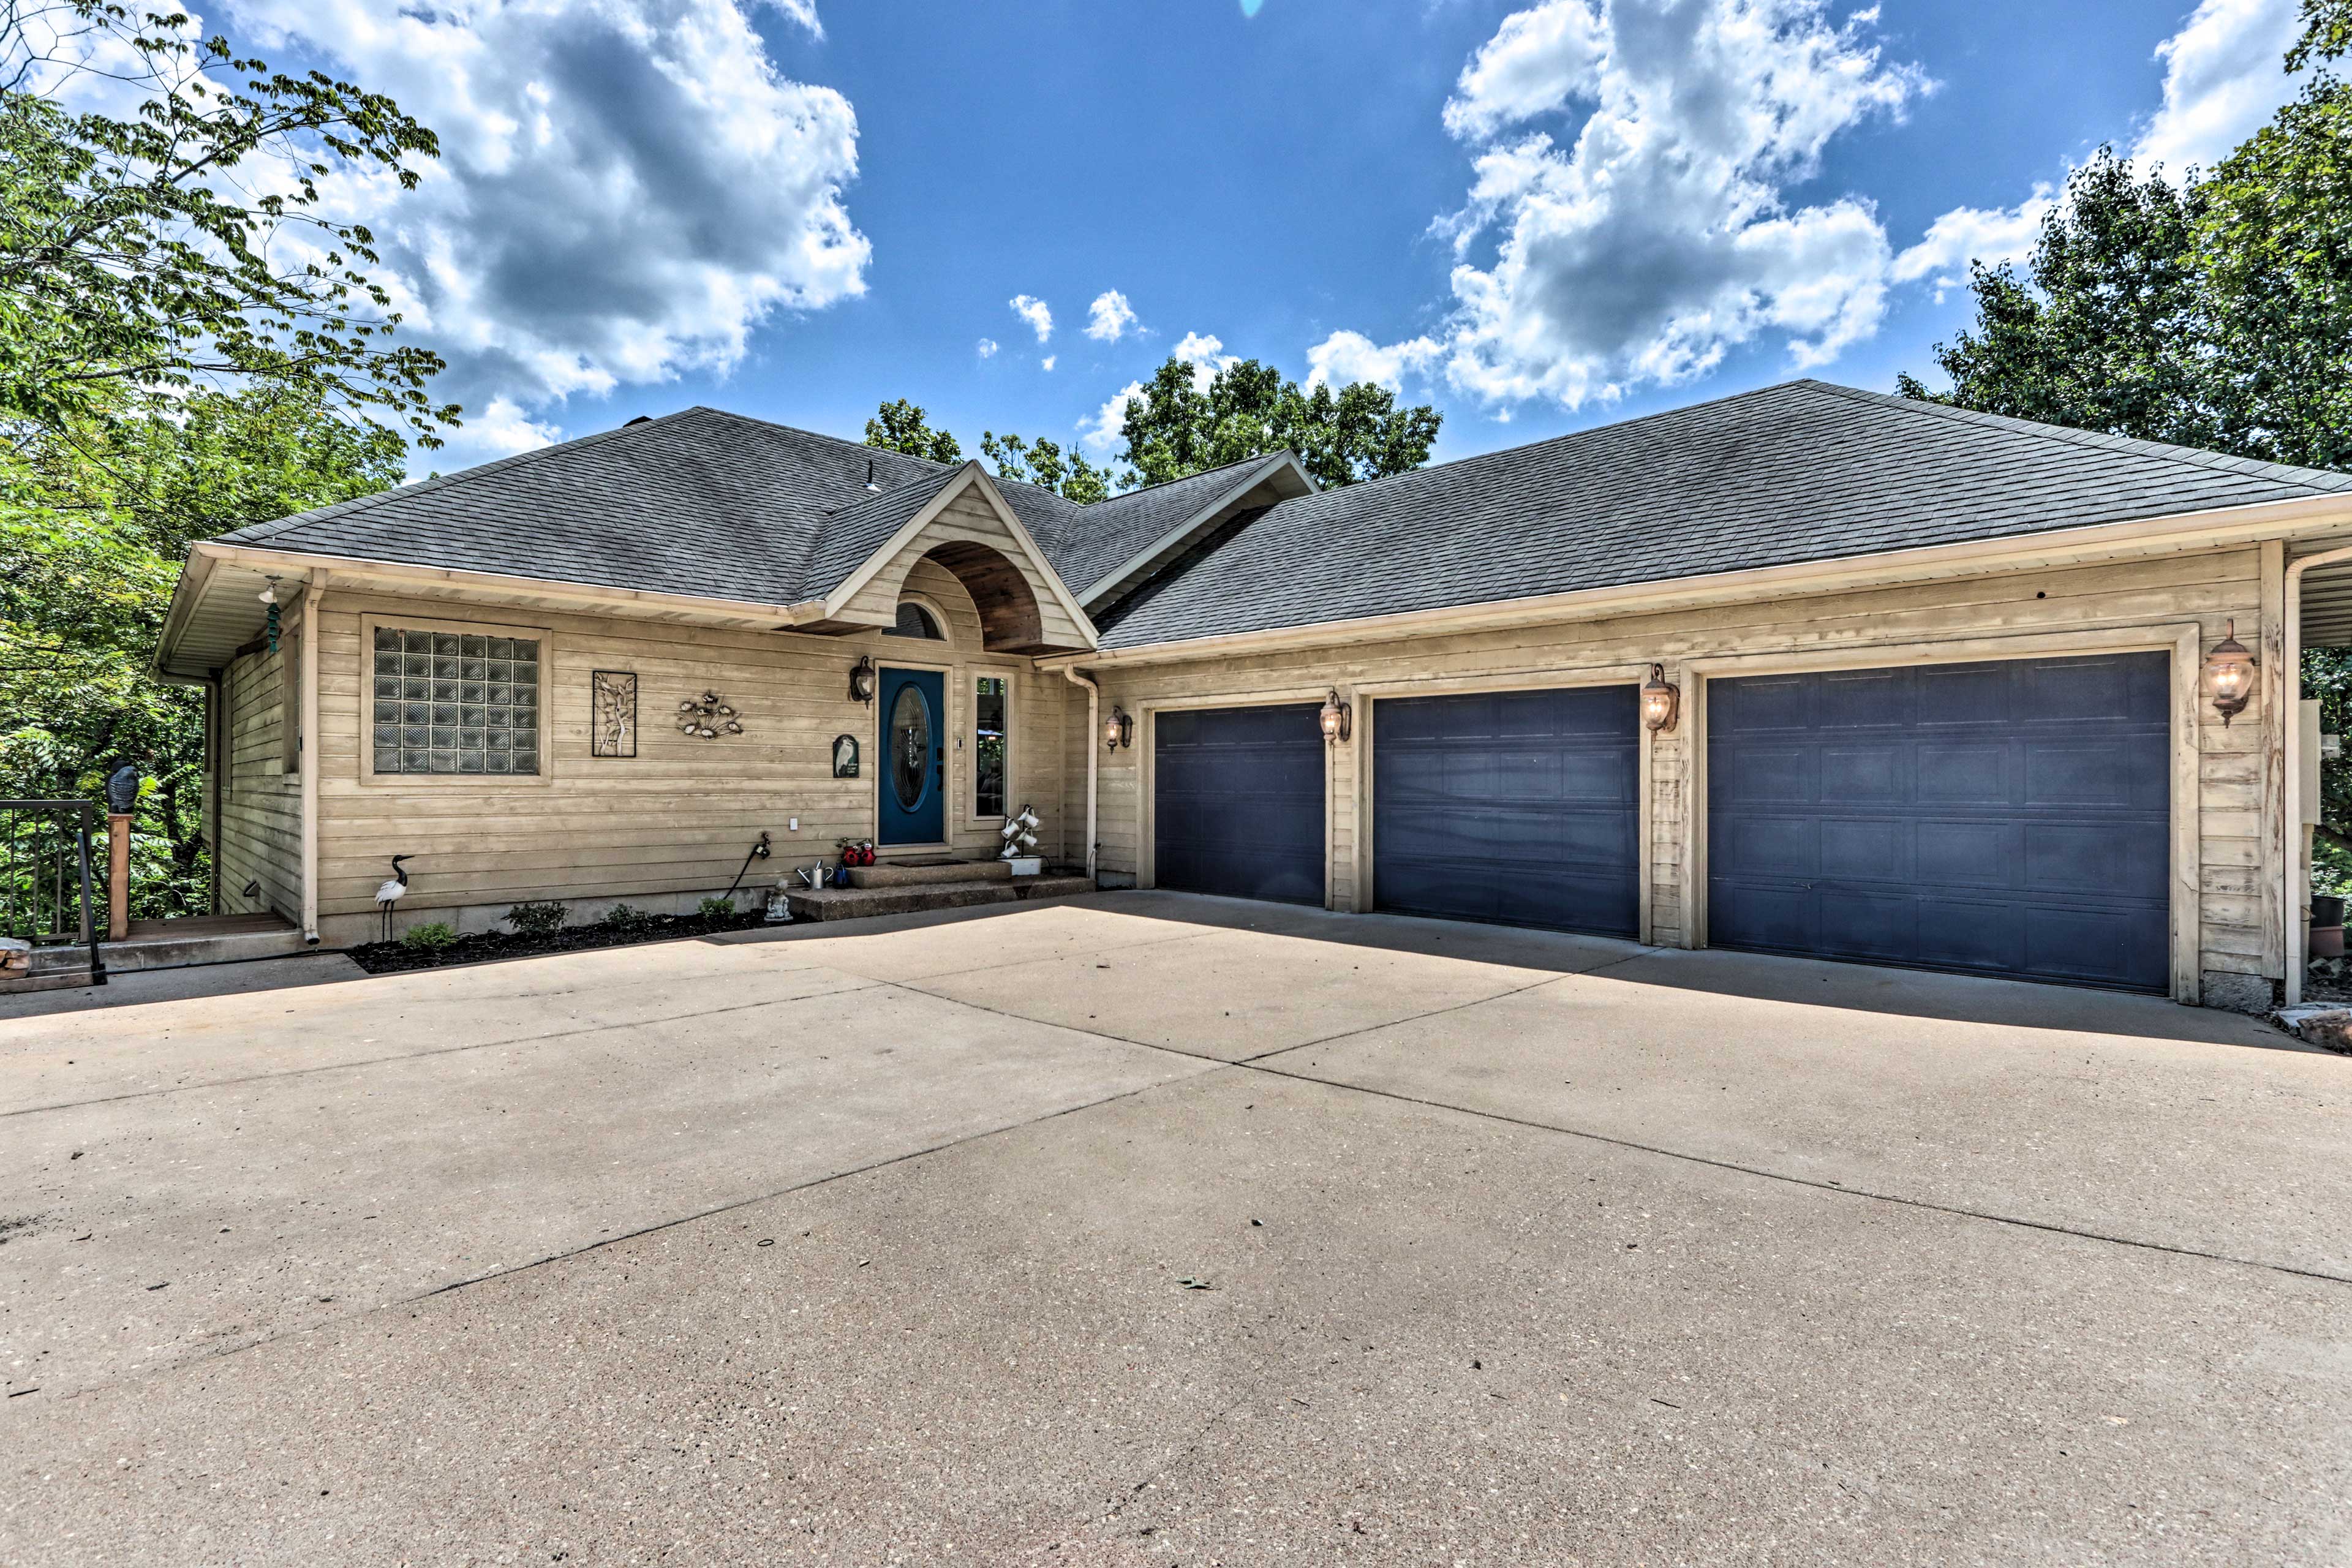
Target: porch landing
pixel 201 939
pixel 894 897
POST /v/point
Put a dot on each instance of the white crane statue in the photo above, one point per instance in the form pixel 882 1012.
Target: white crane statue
pixel 392 891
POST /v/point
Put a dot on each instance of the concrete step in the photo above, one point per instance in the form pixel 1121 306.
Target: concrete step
pixel 201 939
pixel 50 968
pixel 889 876
pixel 904 899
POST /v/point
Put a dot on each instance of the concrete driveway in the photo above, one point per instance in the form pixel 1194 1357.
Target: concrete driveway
pixel 1146 1229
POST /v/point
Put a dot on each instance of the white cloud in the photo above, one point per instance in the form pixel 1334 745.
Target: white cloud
pixel 1035 313
pixel 1632 175
pixel 1110 317
pixel 1345 357
pixel 502 429
pixel 1101 432
pixel 1989 235
pixel 2224 74
pixel 988 348
pixel 626 188
pixel 1206 355
pixel 1048 361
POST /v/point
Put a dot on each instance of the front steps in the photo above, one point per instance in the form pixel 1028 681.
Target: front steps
pixel 912 890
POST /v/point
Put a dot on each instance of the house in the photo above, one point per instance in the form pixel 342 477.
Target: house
pixel 1806 671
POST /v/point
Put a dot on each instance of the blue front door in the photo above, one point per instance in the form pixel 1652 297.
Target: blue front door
pixel 913 749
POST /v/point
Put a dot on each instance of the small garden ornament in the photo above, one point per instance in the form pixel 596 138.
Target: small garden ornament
pixel 1021 842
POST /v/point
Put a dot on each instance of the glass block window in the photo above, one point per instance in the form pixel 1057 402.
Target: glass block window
pixel 454 702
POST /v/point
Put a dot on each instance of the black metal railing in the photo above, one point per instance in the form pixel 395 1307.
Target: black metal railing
pixel 46 891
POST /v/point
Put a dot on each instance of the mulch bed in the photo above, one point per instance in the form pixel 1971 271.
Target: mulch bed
pixel 392 957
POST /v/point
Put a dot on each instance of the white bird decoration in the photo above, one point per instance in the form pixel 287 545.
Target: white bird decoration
pixel 392 891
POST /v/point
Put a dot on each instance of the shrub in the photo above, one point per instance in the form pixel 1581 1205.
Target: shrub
pixel 536 920
pixel 715 909
pixel 621 916
pixel 432 938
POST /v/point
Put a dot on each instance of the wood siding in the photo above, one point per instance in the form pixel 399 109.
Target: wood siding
pixel 674 822
pixel 260 829
pixel 2159 592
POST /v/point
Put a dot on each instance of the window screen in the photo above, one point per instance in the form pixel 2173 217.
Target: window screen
pixel 988 746
pixel 452 702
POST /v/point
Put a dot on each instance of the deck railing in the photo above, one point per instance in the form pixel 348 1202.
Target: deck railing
pixel 46 890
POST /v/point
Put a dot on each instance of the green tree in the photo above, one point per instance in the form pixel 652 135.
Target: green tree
pixel 1045 464
pixel 188 345
pixel 92 532
pixel 185 248
pixel 901 426
pixel 1174 426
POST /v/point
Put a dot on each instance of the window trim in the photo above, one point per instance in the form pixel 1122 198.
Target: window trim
pixel 940 622
pixel 365 666
pixel 969 733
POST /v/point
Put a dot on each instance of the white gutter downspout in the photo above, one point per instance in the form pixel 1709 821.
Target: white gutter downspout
pixel 1094 718
pixel 2295 902
pixel 309 754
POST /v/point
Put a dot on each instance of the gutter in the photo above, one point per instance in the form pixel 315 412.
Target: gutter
pixel 2218 527
pixel 1094 703
pixel 313 597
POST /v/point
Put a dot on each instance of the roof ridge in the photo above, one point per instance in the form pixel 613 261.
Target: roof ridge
pixel 2325 480
pixel 275 526
pixel 1200 473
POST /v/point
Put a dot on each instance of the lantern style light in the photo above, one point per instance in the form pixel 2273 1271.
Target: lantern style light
pixel 1337 718
pixel 861 681
pixel 2230 669
pixel 1662 700
pixel 1118 730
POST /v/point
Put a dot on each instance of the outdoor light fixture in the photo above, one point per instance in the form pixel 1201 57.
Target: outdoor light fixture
pixel 2231 668
pixel 1661 700
pixel 269 598
pixel 861 681
pixel 1337 718
pixel 1118 730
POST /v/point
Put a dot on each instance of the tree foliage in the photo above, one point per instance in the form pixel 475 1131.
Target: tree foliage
pixel 188 343
pixel 901 426
pixel 184 246
pixel 1044 463
pixel 1176 426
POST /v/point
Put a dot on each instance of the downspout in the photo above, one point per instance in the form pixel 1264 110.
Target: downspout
pixel 308 743
pixel 2295 901
pixel 1094 718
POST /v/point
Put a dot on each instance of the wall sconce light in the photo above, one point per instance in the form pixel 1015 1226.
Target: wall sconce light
pixel 269 600
pixel 1662 700
pixel 1338 718
pixel 1118 730
pixel 861 681
pixel 2231 668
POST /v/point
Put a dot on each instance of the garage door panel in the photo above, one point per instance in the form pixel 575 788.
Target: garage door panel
pixel 1238 802
pixel 1968 854
pixel 1866 851
pixel 2016 820
pixel 1534 816
pixel 1869 925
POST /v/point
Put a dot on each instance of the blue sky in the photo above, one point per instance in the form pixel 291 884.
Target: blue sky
pixel 797 210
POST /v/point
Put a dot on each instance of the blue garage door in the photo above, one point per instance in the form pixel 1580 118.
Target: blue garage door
pixel 1516 806
pixel 2010 818
pixel 1237 802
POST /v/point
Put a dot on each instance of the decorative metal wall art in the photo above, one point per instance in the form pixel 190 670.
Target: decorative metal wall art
pixel 845 756
pixel 708 718
pixel 613 730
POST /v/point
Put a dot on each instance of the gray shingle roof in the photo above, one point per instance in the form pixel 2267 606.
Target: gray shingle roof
pixel 705 503
pixel 1087 542
pixel 1801 472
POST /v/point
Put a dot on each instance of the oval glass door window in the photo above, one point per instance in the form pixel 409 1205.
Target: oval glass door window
pixel 910 746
